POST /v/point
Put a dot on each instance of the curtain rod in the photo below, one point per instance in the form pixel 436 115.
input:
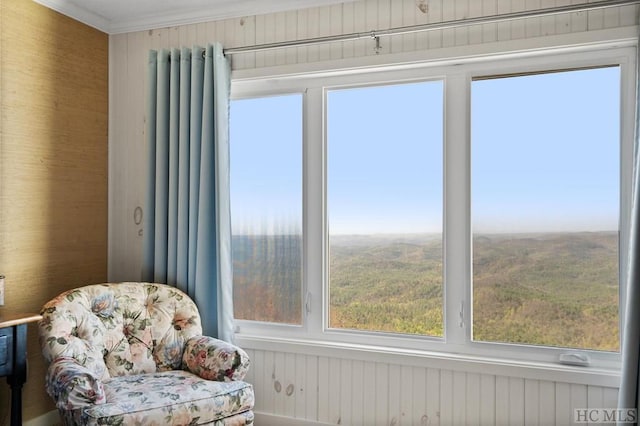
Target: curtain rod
pixel 375 34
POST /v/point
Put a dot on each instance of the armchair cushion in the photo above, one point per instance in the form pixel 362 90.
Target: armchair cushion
pixel 168 398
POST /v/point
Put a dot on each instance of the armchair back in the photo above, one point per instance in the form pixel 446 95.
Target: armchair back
pixel 120 329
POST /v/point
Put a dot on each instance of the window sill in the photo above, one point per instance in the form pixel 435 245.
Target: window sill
pixel 554 372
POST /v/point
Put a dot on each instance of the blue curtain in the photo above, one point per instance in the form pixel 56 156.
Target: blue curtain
pixel 629 386
pixel 187 231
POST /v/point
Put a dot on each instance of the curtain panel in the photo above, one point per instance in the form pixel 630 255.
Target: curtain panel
pixel 629 396
pixel 187 230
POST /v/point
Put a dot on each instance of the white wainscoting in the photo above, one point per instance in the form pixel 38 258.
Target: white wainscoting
pixel 340 391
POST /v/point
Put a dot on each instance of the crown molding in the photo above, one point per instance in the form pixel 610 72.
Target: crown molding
pixel 78 13
pixel 175 17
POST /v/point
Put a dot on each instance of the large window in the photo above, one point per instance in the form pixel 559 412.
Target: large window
pixel 545 203
pixel 480 208
pixel 384 198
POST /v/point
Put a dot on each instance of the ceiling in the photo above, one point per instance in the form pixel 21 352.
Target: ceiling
pixel 119 16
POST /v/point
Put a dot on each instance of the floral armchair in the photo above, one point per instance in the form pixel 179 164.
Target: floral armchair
pixel 134 354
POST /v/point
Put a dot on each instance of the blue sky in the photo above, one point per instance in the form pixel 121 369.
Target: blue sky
pixel 545 152
pixel 384 159
pixel 545 156
pixel 266 164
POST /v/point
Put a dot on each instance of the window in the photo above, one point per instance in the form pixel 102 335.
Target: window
pixel 545 203
pixel 384 198
pixel 266 208
pixel 479 208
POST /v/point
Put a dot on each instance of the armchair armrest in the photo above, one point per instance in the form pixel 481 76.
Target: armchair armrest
pixel 214 359
pixel 73 385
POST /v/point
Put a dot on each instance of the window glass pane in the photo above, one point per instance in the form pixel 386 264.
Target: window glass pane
pixel 545 208
pixel 384 195
pixel 266 208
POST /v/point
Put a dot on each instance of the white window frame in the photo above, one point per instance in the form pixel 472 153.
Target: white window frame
pixel 457 234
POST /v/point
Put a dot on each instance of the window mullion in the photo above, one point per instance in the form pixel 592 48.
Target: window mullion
pixel 457 252
pixel 314 212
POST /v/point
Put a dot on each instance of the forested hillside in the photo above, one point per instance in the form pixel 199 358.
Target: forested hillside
pixel 558 289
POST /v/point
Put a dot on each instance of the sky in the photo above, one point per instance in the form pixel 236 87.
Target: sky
pixel 544 153
pixel 384 159
pixel 266 164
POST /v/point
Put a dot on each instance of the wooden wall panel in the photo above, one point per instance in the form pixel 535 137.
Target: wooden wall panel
pixel 353 392
pixel 53 166
pixel 331 389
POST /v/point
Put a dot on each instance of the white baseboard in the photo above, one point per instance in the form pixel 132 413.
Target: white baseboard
pixel 48 419
pixel 266 419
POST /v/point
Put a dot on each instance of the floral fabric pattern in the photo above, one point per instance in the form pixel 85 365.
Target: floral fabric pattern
pixel 133 353
pixel 73 386
pixel 214 359
pixel 173 397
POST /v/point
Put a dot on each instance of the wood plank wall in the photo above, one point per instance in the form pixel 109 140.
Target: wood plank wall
pixel 354 392
pixel 333 389
pixel 53 167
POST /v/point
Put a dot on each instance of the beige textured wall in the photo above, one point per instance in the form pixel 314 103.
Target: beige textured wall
pixel 53 167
